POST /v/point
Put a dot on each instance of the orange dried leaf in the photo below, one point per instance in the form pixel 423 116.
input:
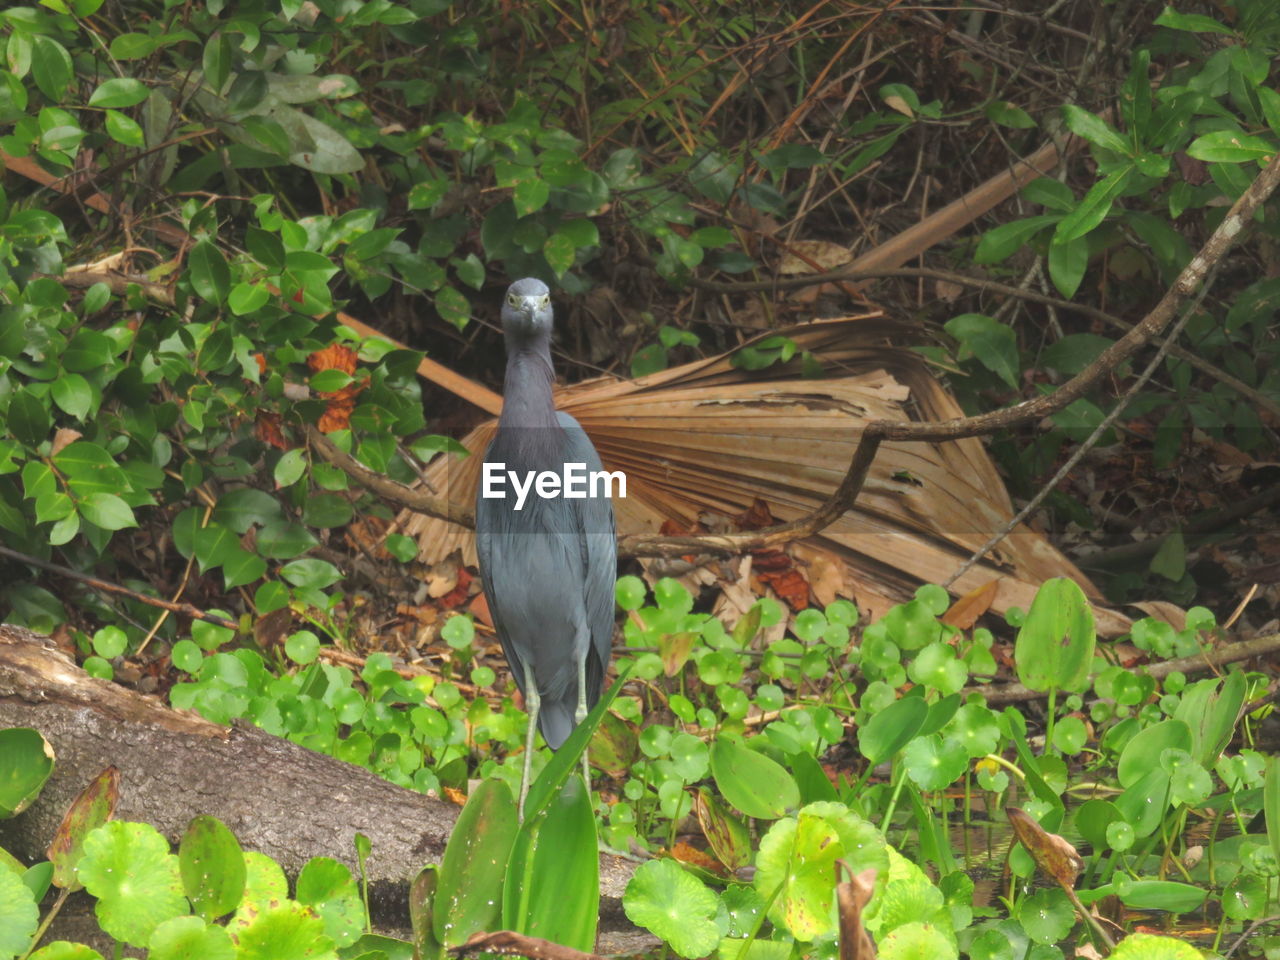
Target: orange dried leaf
pixel 964 613
pixel 267 429
pixel 791 587
pixel 687 853
pixel 333 357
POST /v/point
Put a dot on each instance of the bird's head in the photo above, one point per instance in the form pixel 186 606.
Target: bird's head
pixel 526 311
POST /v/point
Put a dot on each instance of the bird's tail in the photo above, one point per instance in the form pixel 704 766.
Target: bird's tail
pixel 556 721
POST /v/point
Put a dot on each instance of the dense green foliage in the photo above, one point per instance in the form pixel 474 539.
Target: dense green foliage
pixel 258 166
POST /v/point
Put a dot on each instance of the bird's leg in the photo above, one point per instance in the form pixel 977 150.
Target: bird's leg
pixel 534 702
pixel 579 715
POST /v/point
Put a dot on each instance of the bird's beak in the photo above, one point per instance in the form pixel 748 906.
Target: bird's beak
pixel 527 308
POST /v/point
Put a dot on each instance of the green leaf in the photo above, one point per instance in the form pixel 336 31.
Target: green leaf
pixel 1094 208
pixel 453 306
pixel 19 914
pixel 1002 242
pixel 751 782
pixel 135 878
pixel 1170 560
pixel 51 67
pixel 317 574
pixel 242 507
pixel 124 129
pixel 216 61
pixel 797 858
pixel 993 343
pixel 210 275
pixel 530 196
pixel 1192 22
pixel 1054 649
pixel 119 92
pixel 890 729
pixel 107 511
pixel 89 468
pixel 188 938
pixel 327 887
pixel 290 468
pixel 559 251
pixel 241 567
pixel 1009 115
pixel 92 807
pixel 474 865
pixel 73 394
pixel 1230 146
pixel 674 906
pixel 212 868
pixel 552 887
pixel 28 419
pixel 1067 264
pixel 248 298
pixel 26 760
pixel 1093 128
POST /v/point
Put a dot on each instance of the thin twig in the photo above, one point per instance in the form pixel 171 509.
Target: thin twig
pixel 107 586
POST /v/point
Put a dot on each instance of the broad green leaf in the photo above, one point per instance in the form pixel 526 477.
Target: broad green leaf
pixel 552 887
pixel 119 92
pixel 1094 208
pixel 1054 649
pixel 328 888
pixel 211 864
pixel 73 394
pixel 1093 128
pixel 26 760
pixel 189 938
pixel 1192 22
pixel 93 807
pixel 993 343
pixel 1141 755
pixel 1067 263
pixel 1230 146
pixel 129 869
pixel 530 196
pixel 797 858
pixel 19 914
pixel 51 67
pixel 1002 242
pixel 283 930
pixel 751 782
pixel 1009 115
pixel 453 306
pixel 107 511
pixel 675 906
pixel 470 882
pixel 210 275
pixel 559 251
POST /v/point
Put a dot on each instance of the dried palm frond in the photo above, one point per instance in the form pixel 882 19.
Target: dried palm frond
pixel 710 438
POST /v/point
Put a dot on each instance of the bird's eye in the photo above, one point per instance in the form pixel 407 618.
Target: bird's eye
pixel 513 300
pixel 544 301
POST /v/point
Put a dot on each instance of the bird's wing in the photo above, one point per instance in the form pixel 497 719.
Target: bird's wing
pixel 598 548
pixel 488 527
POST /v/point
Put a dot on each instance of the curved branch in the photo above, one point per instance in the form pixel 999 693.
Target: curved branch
pixel 392 490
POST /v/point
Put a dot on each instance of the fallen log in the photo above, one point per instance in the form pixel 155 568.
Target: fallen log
pixel 276 796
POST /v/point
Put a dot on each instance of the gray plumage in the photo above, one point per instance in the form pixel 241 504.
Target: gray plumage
pixel 548 569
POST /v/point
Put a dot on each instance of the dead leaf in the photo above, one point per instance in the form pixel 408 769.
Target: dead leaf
pixel 63 437
pixel 333 357
pixel 964 613
pixel 706 437
pixel 813 256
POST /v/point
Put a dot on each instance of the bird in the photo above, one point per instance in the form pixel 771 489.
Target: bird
pixel 547 564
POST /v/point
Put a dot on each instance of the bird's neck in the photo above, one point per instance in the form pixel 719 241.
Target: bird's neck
pixel 527 402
